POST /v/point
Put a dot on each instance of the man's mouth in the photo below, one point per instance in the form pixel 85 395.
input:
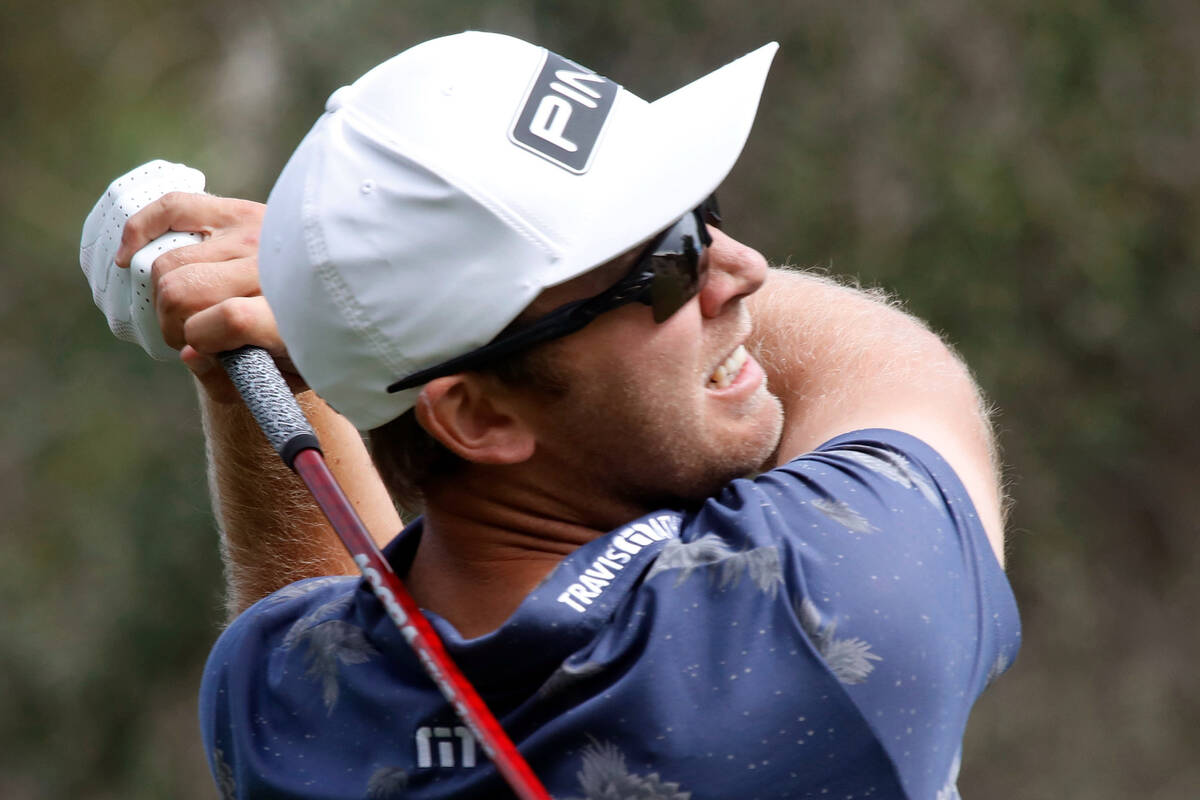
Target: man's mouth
pixel 728 370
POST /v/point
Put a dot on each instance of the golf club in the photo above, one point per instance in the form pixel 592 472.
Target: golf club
pixel 270 400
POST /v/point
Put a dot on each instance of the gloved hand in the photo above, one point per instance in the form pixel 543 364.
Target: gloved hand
pixel 125 295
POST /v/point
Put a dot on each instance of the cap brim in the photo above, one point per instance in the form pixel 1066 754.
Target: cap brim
pixel 699 132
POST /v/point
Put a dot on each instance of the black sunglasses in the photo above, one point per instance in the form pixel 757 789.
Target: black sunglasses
pixel 669 271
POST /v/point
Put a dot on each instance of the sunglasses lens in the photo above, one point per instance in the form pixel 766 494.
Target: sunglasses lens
pixel 673 286
pixel 680 264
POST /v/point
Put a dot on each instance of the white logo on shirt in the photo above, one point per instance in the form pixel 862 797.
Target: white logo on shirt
pixel 445 739
pixel 625 545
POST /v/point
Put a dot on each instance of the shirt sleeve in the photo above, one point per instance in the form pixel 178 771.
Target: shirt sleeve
pixel 893 584
pixel 270 675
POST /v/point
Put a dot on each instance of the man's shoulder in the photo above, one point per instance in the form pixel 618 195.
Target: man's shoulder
pixel 282 619
pixel 287 676
pixel 892 455
pixel 862 481
pixel 300 602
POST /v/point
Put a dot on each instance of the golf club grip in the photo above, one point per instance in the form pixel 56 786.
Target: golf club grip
pixel 269 399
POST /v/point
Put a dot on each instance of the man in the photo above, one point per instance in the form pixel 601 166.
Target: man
pixel 506 269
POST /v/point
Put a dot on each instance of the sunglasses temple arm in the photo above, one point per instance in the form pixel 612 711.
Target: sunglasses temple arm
pixel 573 318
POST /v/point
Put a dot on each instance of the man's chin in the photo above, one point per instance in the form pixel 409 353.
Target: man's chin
pixel 701 487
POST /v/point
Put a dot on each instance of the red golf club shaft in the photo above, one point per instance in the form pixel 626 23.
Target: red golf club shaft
pixel 284 424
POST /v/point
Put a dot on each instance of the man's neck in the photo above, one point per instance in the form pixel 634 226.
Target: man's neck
pixel 488 542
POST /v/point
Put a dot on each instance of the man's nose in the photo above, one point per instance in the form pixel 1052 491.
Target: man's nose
pixel 734 272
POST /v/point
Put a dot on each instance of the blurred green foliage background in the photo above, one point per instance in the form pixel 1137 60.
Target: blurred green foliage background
pixel 1025 173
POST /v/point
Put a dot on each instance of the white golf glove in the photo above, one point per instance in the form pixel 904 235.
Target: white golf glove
pixel 126 295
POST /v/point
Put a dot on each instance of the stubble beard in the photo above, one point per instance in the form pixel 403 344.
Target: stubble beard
pixel 647 452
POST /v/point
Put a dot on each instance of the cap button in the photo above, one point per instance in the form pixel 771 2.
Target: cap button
pixel 339 98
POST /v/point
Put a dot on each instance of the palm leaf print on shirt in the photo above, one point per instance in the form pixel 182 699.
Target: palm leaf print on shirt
pixel 999 666
pixel 760 563
pixel 328 643
pixel 950 790
pixel 226 784
pixel 387 783
pixel 893 466
pixel 605 777
pixel 848 659
pixel 301 588
pixel 843 515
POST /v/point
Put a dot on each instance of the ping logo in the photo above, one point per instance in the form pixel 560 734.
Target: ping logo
pixel 564 113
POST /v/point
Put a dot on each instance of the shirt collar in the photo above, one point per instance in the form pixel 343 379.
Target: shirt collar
pixel 559 616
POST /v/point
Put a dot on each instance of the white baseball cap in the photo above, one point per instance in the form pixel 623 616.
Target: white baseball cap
pixel 447 187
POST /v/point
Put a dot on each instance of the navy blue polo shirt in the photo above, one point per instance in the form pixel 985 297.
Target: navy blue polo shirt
pixel 821 630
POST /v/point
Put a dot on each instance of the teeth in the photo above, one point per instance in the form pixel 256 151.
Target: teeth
pixel 724 374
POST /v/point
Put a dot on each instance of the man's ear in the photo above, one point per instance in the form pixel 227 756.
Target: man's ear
pixel 474 423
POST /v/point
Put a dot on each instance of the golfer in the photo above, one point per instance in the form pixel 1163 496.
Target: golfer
pixel 693 526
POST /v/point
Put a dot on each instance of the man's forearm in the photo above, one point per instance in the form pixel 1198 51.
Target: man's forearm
pixel 272 531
